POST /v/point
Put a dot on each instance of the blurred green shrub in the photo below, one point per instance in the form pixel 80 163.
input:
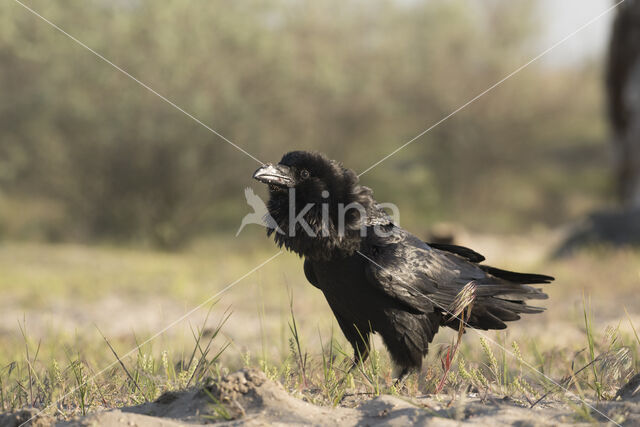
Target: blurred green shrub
pixel 86 153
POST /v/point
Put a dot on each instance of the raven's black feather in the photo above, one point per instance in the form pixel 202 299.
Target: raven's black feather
pixel 464 252
pixel 523 278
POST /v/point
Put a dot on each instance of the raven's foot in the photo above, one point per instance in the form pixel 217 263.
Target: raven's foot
pixel 354 366
pixel 401 378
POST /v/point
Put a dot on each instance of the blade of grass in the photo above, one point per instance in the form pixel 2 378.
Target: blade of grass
pixel 122 364
pixel 591 341
pixel 26 346
pixel 195 348
pixel 203 365
pixel 632 326
pixel 293 327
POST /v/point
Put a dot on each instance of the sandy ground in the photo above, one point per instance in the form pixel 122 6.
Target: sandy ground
pixel 119 314
pixel 247 397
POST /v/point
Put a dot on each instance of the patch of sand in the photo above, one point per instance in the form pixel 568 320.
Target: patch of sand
pixel 247 397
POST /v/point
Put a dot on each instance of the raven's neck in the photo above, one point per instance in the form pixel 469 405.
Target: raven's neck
pixel 321 231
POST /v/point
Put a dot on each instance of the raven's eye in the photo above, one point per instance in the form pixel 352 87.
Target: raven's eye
pixel 304 174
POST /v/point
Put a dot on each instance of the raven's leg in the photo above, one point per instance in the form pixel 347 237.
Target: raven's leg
pixel 403 376
pixel 360 352
pixel 359 357
pixel 357 337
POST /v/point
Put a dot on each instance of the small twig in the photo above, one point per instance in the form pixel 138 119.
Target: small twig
pixel 565 382
pixel 363 393
pixel 360 393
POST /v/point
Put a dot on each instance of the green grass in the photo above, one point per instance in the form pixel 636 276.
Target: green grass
pixel 276 322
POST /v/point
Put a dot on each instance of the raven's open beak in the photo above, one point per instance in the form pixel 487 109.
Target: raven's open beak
pixel 277 175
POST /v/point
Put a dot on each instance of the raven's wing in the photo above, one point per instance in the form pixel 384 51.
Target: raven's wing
pixel 473 256
pixel 424 278
pixel 408 270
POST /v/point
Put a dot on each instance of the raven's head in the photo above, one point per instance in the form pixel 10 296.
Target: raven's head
pixel 317 203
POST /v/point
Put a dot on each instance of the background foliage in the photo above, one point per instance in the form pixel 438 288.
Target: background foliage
pixel 86 154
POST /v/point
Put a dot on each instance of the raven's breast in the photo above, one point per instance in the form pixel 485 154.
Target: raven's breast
pixel 349 294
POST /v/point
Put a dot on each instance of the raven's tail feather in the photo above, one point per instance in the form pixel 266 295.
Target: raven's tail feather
pixel 497 303
pixel 511 276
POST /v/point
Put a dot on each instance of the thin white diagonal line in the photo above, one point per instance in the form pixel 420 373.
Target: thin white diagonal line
pixel 157 334
pixel 489 339
pixel 495 85
pixel 150 89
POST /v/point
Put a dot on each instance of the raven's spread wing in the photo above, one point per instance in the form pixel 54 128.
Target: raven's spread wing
pixel 427 279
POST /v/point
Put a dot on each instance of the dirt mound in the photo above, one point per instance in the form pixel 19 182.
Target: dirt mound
pixel 247 397
pixel 15 419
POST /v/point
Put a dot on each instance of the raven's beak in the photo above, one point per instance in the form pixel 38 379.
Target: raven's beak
pixel 278 175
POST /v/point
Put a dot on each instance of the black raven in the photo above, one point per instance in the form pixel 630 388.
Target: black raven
pixel 376 276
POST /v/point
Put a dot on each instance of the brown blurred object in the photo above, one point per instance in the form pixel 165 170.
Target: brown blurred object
pixel 623 90
pixel 441 232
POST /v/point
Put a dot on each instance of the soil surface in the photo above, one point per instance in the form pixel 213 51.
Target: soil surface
pixel 247 397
